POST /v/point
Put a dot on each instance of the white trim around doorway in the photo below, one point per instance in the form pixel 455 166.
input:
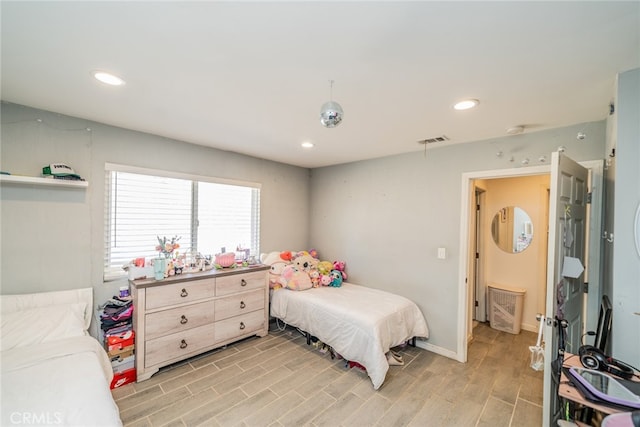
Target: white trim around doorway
pixel 466 191
pixel 463 288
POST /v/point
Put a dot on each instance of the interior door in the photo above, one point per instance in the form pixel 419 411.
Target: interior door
pixel 480 313
pixel 565 300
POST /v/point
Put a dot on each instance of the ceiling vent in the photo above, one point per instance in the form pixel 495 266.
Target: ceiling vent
pixel 442 138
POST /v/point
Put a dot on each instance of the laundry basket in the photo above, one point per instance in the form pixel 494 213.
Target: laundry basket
pixel 505 308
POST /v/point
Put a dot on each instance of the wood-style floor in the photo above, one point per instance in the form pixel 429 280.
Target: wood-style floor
pixel 280 381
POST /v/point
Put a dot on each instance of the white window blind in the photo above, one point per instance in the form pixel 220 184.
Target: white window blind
pixel 207 216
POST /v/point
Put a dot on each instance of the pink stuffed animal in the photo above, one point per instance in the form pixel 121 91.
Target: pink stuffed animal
pixel 277 261
pixel 325 280
pixel 340 266
pixel 294 279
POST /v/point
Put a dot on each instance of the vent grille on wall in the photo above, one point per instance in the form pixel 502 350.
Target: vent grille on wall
pixel 434 139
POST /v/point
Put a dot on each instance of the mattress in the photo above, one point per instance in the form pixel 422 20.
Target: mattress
pixel 360 323
pixel 58 383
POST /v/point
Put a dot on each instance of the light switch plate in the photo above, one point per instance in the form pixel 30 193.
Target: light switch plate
pixel 442 253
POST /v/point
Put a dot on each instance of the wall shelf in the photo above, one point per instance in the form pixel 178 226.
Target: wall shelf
pixel 33 180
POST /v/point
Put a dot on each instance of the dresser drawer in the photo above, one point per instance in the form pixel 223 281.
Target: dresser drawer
pixel 179 293
pixel 239 325
pixel 235 305
pixel 240 282
pixel 179 345
pixel 178 319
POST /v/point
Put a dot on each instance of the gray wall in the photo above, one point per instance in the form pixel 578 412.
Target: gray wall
pixel 625 281
pixel 387 217
pixel 52 238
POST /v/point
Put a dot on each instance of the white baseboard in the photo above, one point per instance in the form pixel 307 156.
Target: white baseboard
pixel 438 350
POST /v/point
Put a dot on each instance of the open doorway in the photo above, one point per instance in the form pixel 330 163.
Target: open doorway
pixel 466 284
pixel 471 284
pixel 508 243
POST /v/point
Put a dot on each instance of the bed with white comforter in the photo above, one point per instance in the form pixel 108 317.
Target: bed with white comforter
pixel 360 323
pixel 53 372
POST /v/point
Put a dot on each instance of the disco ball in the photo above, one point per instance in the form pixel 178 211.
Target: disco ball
pixel 331 114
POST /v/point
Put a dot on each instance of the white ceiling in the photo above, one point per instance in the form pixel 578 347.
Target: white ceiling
pixel 250 77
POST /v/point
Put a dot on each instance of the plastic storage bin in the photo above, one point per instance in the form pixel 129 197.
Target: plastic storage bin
pixel 505 308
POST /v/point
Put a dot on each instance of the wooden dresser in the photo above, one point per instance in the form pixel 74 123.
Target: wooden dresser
pixel 188 314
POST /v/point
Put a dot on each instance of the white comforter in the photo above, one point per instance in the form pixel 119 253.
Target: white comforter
pixel 64 382
pixel 360 323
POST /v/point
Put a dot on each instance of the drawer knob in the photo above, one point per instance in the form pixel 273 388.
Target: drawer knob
pixel 184 293
pixel 183 344
pixel 242 325
pixel 242 304
pixel 243 282
pixel 183 319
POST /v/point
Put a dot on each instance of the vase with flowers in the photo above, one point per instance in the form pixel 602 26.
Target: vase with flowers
pixel 166 248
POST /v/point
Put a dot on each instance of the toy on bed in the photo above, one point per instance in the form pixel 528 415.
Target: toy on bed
pixel 336 278
pixel 277 261
pixel 302 270
pixel 340 266
pixel 305 262
pixel 51 367
pixel 294 279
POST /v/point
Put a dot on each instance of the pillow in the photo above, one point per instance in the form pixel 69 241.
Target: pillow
pixel 43 324
pixel 20 302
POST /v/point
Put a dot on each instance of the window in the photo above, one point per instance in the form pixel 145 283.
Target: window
pixel 207 214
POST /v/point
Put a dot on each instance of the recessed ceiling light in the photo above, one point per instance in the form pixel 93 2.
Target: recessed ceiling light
pixel 466 104
pixel 108 78
pixel 307 144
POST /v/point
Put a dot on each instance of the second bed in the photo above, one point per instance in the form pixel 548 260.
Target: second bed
pixel 359 323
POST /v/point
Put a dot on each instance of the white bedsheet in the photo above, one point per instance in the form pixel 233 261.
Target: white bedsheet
pixel 360 323
pixel 65 382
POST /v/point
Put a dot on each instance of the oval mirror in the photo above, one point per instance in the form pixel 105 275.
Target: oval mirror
pixel 512 229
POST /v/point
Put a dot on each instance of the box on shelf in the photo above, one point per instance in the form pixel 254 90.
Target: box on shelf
pixel 116 352
pixel 122 378
pixel 118 355
pixel 120 365
pixel 119 342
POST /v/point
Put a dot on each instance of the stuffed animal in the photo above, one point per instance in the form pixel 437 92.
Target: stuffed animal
pixel 305 262
pixel 336 278
pixel 340 266
pixel 278 261
pixel 294 279
pixel 325 279
pixel 314 275
pixel 324 267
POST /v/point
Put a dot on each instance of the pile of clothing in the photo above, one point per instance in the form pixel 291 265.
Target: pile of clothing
pixel 116 323
pixel 117 315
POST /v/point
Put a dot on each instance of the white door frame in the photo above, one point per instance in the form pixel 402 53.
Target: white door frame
pixel 464 319
pixel 593 275
pixel 467 202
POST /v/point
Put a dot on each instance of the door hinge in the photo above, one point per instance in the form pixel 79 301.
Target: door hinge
pixel 589 197
pixel 477 255
pixel 586 287
pixel 477 304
